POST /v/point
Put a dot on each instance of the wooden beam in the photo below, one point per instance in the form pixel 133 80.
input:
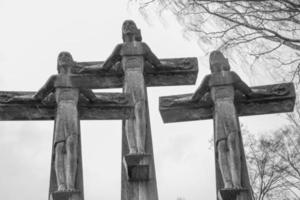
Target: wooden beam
pixel 46 109
pixel 245 107
pixel 186 75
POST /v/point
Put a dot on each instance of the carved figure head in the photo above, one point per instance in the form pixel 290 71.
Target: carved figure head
pixel 218 62
pixel 130 29
pixel 64 62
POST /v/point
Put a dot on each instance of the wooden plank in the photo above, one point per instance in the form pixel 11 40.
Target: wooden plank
pixel 245 107
pixel 54 194
pixel 146 190
pixel 32 110
pixel 185 75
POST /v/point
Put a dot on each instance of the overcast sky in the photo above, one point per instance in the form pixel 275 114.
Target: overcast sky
pixel 32 34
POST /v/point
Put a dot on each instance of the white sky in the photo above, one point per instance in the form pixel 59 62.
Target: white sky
pixel 32 34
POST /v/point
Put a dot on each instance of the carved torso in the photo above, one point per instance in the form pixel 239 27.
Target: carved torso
pixel 67 94
pixel 67 114
pixel 221 85
pixel 132 56
pixel 64 90
pixel 133 65
pixel 222 92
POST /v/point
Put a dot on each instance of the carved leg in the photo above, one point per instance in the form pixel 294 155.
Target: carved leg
pixel 59 166
pixel 223 164
pixel 71 161
pixel 130 134
pixel 140 125
pixel 137 161
pixel 235 159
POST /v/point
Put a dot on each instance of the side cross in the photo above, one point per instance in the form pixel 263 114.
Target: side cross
pixel 224 97
pixel 64 100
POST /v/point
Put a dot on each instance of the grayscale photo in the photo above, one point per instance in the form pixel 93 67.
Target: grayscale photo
pixel 150 99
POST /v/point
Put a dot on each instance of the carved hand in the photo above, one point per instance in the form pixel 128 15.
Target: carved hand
pixel 185 64
pixel 108 100
pixel 92 68
pixel 22 99
pixel 179 101
pixel 257 93
pixel 279 90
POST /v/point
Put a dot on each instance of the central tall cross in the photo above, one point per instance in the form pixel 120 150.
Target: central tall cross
pixel 133 66
pixel 224 97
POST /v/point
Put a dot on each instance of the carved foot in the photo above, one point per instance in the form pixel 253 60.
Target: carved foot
pixel 61 188
pixel 137 166
pixel 64 194
pixel 231 193
pixel 228 185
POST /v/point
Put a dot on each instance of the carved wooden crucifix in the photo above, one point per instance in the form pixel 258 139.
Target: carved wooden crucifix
pixel 133 66
pixel 223 96
pixel 65 100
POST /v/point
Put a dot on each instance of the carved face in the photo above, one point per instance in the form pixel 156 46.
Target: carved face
pixel 218 62
pixel 129 28
pixel 64 62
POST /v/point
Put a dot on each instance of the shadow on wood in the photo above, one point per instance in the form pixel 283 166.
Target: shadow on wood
pixel 138 167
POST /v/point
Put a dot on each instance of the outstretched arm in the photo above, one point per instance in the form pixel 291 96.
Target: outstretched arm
pixel 47 88
pixel 202 89
pixel 110 61
pixel 164 65
pixel 151 57
pixel 240 85
pixel 89 94
pixel 113 58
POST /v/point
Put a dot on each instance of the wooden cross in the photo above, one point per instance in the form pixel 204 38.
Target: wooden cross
pixel 133 66
pixel 65 100
pixel 223 96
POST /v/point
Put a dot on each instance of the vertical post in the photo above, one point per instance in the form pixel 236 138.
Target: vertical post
pixel 140 190
pixel 53 194
pixel 243 195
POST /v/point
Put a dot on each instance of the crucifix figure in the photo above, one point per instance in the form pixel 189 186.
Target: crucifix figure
pixel 220 90
pixel 132 54
pixel 66 141
pixel 134 66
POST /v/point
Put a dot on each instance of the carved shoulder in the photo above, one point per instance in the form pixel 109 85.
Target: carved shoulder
pixel 240 85
pixel 202 89
pixel 150 56
pixel 114 57
pixel 46 89
pixel 53 78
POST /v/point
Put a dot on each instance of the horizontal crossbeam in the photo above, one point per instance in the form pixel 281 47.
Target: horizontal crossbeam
pixel 204 109
pixel 31 110
pixel 185 73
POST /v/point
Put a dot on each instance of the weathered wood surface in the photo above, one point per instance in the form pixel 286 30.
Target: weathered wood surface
pixel 244 195
pixel 32 110
pixel 204 109
pixel 141 190
pixel 185 73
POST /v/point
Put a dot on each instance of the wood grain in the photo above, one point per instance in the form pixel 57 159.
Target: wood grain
pixel 245 107
pixel 33 110
pixel 185 73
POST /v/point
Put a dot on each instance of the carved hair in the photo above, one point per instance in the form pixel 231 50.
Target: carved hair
pixel 137 34
pixel 61 55
pixel 217 59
